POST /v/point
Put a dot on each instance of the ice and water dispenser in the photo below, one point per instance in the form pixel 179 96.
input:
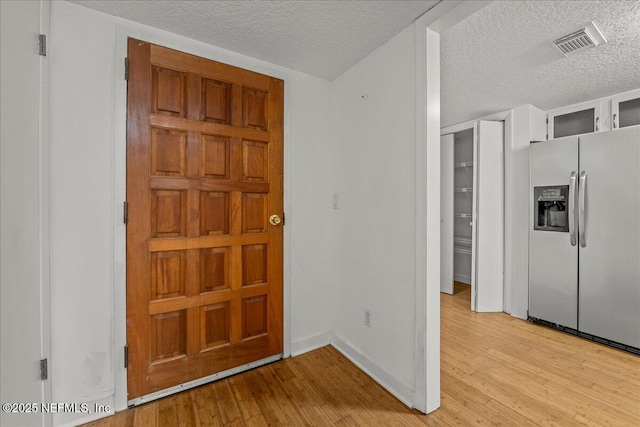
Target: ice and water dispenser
pixel 551 208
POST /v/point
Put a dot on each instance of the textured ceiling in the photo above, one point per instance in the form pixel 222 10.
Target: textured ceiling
pixel 496 59
pixel 321 38
pixel 502 57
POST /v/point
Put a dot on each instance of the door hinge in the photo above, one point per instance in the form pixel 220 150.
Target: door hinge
pixel 126 68
pixel 42 45
pixel 547 121
pixel 125 213
pixel 126 356
pixel 44 371
pixel 283 220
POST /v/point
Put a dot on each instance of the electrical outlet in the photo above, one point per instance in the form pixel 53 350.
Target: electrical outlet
pixel 367 318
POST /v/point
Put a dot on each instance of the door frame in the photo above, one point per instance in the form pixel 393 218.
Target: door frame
pixel 124 30
pixel 426 395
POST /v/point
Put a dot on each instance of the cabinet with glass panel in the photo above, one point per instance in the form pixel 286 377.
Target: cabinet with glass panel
pixel 603 114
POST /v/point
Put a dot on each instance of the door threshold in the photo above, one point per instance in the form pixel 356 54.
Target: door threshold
pixel 200 381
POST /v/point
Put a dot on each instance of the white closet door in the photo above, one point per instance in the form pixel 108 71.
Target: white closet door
pixel 446 213
pixel 21 276
pixel 474 222
pixel 488 251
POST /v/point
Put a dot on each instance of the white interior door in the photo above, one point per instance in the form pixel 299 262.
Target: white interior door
pixel 488 222
pixel 474 222
pixel 609 235
pixel 23 246
pixel 446 213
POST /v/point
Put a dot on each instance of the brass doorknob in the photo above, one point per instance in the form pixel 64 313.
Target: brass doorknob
pixel 274 220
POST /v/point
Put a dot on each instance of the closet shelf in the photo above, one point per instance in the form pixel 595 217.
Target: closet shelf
pixel 464 165
pixel 464 190
pixel 462 240
pixel 462 251
pixel 462 215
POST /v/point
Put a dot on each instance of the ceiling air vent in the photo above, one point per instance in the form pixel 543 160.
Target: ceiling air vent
pixel 585 38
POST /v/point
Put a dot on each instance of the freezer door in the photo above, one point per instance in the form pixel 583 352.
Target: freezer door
pixel 609 263
pixel 553 260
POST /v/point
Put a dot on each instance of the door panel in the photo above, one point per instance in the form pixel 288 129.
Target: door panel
pixel 609 267
pixel 488 220
pixel 204 172
pixel 24 227
pixel 474 223
pixel 553 277
pixel 446 213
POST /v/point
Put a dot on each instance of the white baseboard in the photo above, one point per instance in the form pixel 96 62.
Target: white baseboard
pixel 519 314
pixel 78 415
pixel 310 343
pixel 462 278
pixel 399 389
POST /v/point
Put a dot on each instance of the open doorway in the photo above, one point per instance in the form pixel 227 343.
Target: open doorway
pixel 472 225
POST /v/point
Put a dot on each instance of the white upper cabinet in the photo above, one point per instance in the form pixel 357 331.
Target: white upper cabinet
pixel 612 112
pixel 575 120
pixel 625 109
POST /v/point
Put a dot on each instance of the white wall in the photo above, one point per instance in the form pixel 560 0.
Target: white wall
pixel 310 219
pixel 524 124
pixel 373 125
pixel 86 173
pixel 81 179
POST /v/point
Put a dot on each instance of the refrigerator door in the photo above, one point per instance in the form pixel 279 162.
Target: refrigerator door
pixel 609 263
pixel 553 260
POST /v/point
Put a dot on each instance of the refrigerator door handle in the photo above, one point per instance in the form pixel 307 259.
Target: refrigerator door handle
pixel 581 221
pixel 572 207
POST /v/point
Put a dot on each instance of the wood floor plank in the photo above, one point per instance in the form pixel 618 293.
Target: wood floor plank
pixel 346 397
pixel 208 412
pixel 227 406
pixel 311 407
pixel 334 409
pixel 514 418
pixel 145 415
pixel 269 407
pixel 250 410
pixel 601 406
pixel 283 371
pixel 347 422
pixel 167 412
pixel 284 398
pixel 495 370
pixel 271 411
pixel 186 411
pixel 375 410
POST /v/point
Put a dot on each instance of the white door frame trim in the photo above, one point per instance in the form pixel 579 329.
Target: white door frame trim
pixel 426 397
pixel 45 207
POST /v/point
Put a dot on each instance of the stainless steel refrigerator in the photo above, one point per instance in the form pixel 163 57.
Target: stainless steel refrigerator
pixel 584 238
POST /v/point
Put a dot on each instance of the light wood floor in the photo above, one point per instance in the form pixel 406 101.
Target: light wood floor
pixel 496 370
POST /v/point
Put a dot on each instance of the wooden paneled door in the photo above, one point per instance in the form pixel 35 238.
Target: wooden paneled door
pixel 204 258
